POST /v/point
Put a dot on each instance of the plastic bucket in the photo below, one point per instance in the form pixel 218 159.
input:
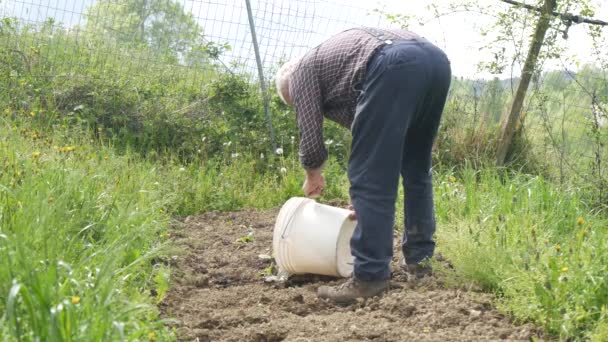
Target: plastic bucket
pixel 313 238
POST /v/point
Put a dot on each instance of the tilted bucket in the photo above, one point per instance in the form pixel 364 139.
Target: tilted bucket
pixel 313 238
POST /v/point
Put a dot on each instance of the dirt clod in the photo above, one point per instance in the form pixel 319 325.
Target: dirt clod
pixel 219 294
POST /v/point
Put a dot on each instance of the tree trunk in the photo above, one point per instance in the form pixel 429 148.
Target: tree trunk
pixel 510 123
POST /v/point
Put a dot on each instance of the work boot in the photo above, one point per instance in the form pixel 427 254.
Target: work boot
pixel 352 289
pixel 416 271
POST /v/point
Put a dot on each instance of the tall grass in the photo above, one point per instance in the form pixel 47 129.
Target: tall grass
pixel 78 230
pixel 82 228
pixel 536 246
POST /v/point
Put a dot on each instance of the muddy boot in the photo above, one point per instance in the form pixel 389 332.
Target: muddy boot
pixel 416 271
pixel 353 289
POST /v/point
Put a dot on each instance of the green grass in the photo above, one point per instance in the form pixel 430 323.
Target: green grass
pixel 78 234
pixel 83 229
pixel 534 245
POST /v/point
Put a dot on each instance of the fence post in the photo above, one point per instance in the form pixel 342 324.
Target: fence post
pixel 258 60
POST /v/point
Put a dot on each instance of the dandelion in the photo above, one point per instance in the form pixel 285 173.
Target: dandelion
pixel 106 158
pixel 152 336
pixel 580 221
pixel 235 155
pixel 75 300
pixel 279 151
pixel 32 114
pixel 564 269
pixel 283 170
pixel 558 247
pixel 66 149
pixel 181 169
pixel 452 179
pixel 7 111
pixel 35 154
pixel 51 199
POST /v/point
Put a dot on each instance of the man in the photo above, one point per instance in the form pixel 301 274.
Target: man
pixel 389 87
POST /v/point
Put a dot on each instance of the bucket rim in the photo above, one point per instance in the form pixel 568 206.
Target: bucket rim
pixel 289 209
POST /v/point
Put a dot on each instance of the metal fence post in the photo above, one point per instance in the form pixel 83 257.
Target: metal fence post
pixel 258 60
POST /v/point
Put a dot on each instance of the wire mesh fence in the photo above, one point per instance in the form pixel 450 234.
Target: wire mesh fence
pixel 220 29
pixel 189 42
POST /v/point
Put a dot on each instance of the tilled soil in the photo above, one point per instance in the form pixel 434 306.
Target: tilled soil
pixel 219 294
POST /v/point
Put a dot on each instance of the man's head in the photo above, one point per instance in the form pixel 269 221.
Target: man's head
pixel 282 80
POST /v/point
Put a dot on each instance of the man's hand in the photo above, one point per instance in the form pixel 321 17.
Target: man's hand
pixel 353 214
pixel 314 184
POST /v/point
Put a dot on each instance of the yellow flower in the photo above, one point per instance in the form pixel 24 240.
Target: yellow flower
pixel 564 269
pixel 558 247
pixel 51 199
pixel 32 113
pixel 580 221
pixel 452 179
pixel 35 154
pixel 152 336
pixel 7 111
pixel 75 300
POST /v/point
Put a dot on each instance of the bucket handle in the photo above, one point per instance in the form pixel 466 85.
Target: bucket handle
pixel 283 236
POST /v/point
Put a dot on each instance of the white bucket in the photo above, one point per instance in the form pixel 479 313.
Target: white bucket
pixel 313 238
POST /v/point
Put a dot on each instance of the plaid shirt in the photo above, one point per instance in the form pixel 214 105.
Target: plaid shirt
pixel 327 82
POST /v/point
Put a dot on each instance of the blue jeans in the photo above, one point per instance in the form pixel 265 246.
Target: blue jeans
pixel 396 122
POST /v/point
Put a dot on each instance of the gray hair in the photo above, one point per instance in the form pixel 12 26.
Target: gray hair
pixel 283 76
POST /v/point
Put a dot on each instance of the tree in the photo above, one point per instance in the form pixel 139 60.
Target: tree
pixel 160 25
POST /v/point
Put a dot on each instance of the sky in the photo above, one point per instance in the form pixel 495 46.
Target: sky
pixel 287 28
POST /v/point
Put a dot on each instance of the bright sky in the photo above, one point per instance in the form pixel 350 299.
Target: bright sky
pixel 458 34
pixel 289 27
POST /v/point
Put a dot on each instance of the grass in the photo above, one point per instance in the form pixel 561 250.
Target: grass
pixel 79 230
pixel 83 229
pixel 536 246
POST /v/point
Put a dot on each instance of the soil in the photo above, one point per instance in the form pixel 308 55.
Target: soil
pixel 219 294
